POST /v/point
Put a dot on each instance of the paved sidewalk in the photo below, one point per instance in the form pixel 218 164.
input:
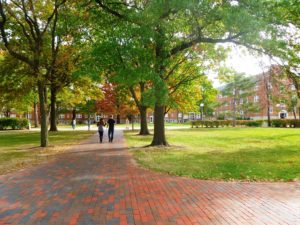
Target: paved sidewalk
pixel 99 184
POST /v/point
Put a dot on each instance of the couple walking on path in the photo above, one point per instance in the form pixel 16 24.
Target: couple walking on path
pixel 111 126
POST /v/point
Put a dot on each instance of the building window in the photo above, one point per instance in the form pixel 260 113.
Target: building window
pixel 256 98
pixel 78 116
pixel 61 116
pixel 98 117
pixel 192 116
pixel 293 88
pixel 270 86
pixel 271 109
pixel 13 115
pixel 242 112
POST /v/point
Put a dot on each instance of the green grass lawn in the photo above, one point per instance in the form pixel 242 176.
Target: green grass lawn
pixel 224 153
pixel 19 149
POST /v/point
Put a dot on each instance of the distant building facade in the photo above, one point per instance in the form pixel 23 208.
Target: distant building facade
pixel 270 92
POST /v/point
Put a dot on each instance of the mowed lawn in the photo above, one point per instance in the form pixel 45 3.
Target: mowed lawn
pixel 19 149
pixel 265 154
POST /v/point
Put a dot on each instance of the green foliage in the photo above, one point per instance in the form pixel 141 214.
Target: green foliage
pixel 225 123
pixel 13 123
pixel 15 86
pixel 285 123
pixel 292 123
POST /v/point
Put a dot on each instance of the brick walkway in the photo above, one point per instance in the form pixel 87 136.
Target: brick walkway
pixel 99 184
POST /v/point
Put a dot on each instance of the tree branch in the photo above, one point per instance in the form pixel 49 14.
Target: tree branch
pixel 200 39
pixel 134 96
pixel 109 10
pixel 17 55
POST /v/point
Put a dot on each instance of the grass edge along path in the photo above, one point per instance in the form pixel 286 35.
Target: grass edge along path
pixel 20 149
pixel 248 154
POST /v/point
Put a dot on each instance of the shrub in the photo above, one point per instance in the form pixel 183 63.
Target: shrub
pixel 13 123
pixel 279 123
pixel 254 123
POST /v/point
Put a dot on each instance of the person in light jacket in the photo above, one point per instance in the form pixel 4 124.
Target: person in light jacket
pixel 101 126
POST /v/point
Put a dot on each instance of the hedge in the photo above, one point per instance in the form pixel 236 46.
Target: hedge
pixel 13 123
pixel 247 123
pixel 285 123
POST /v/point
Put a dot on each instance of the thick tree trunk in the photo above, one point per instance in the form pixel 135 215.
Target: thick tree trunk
pixel 144 125
pixel 53 125
pixel 36 115
pixel 42 89
pixel 159 137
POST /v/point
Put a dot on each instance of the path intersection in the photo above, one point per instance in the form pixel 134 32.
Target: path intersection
pixel 100 184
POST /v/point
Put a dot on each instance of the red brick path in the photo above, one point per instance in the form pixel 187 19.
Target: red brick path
pixel 99 184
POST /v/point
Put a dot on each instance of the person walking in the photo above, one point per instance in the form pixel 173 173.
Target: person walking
pixel 101 126
pixel 111 125
pixel 73 124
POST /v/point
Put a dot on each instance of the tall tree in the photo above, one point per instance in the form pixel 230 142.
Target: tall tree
pixel 174 28
pixel 26 29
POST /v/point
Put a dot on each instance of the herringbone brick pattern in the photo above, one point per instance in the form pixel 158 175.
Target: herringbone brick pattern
pixel 99 184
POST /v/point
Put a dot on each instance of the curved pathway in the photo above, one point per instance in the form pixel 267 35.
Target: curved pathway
pixel 99 184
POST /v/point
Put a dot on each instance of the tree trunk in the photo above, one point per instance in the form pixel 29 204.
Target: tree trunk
pixel 144 125
pixel 74 114
pixel 42 89
pixel 234 113
pixel 36 115
pixel 269 116
pixel 7 113
pixel 53 126
pixel 299 112
pixel 159 137
pixel 118 118
pixel 295 113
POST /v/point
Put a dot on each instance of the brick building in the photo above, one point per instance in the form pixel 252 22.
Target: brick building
pixel 271 91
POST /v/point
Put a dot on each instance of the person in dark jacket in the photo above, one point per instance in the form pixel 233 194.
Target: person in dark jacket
pixel 111 126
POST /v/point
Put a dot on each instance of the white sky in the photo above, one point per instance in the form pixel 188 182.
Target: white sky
pixel 241 60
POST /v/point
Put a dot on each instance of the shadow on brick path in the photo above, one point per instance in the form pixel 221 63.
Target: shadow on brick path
pixel 98 184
